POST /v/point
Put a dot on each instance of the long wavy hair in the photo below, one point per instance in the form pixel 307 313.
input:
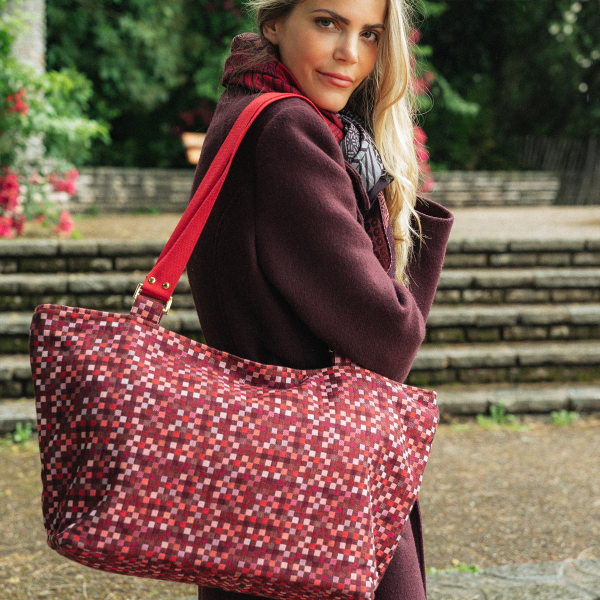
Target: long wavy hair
pixel 385 102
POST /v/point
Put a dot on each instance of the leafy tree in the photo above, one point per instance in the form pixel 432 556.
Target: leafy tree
pixel 515 59
pixel 149 62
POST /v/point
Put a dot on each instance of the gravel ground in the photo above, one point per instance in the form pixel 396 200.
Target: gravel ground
pixel 490 496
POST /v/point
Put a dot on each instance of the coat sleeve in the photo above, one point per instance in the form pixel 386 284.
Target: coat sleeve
pixel 314 251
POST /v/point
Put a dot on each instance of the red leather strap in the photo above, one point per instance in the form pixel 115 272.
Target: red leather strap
pixel 175 255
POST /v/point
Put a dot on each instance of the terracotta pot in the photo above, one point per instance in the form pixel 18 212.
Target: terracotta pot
pixel 193 145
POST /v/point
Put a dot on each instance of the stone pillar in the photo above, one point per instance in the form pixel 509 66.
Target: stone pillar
pixel 29 46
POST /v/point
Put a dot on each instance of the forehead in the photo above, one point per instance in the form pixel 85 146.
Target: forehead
pixel 356 12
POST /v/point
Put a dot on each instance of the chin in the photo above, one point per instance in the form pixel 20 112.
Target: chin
pixel 330 102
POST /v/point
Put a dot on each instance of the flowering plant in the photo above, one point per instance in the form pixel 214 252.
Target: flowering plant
pixel 43 135
pixel 422 87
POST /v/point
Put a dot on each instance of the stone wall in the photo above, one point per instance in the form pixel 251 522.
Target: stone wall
pixel 119 189
pixel 495 188
pixel 116 189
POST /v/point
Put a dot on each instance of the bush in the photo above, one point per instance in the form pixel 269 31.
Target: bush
pixel 44 136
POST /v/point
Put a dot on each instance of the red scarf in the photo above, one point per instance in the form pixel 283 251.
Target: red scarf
pixel 271 75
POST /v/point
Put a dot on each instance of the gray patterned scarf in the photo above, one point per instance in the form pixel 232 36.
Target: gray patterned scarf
pixel 360 151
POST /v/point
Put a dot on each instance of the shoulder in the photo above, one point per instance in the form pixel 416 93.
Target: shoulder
pixel 288 123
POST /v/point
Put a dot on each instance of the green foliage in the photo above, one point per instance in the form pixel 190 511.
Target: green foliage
pixel 521 68
pixel 563 418
pixel 148 63
pixel 21 435
pixel 500 418
pixel 47 113
pixel 457 567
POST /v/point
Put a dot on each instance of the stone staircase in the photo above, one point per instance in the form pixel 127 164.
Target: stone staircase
pixel 516 322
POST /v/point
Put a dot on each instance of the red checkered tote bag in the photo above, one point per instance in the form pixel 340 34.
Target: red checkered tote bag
pixel 164 458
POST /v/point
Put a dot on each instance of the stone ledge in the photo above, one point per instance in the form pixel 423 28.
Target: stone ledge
pixel 76 283
pixel 499 245
pixel 16 411
pixel 538 278
pixel 569 580
pixel 525 354
pixel 523 399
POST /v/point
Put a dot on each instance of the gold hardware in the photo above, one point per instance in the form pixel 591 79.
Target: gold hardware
pixel 166 286
pixel 151 280
pixel 137 290
pixel 167 306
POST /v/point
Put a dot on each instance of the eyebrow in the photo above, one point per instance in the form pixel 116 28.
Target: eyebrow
pixel 346 21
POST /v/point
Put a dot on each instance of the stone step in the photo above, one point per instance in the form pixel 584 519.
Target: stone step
pixel 534 252
pixel 516 362
pixel 71 256
pixel 453 402
pixel 477 323
pixel 101 291
pixel 446 324
pixel 521 399
pixel 518 286
pixel 506 362
pixel 568 580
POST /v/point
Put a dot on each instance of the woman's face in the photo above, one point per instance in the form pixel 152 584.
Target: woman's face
pixel 330 46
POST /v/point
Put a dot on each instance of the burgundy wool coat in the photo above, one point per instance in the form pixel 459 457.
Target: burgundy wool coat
pixel 284 271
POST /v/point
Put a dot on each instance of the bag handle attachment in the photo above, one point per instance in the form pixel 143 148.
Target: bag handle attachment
pixel 167 271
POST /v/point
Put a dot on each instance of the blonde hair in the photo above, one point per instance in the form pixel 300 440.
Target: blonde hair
pixel 385 102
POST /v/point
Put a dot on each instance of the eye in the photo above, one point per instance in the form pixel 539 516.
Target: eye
pixel 371 36
pixel 325 22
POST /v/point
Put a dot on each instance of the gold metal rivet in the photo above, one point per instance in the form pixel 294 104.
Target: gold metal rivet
pixel 151 280
pixel 166 286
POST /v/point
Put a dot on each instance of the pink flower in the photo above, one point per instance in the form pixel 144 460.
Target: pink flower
pixel 9 190
pixel 16 102
pixel 415 36
pixel 65 224
pixel 422 155
pixel 6 227
pixel 420 136
pixel 68 184
pixel 427 185
pixel 422 86
pixel 35 178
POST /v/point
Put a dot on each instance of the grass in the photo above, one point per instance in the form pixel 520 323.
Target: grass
pixel 21 435
pixel 457 567
pixel 500 418
pixel 563 418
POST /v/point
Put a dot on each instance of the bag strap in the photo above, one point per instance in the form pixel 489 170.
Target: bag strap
pixel 167 271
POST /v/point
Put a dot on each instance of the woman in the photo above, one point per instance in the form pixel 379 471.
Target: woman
pixel 309 247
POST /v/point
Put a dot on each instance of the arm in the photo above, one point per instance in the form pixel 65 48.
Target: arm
pixel 313 250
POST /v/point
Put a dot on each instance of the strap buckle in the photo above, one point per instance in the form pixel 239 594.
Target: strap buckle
pixel 167 306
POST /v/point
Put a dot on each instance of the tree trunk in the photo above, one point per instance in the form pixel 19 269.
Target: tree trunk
pixel 29 46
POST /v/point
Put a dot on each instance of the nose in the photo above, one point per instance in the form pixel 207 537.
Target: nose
pixel 347 49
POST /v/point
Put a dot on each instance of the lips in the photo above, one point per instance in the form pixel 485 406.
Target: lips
pixel 337 79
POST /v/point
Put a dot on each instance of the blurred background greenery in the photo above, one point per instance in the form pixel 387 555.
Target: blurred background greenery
pixel 502 70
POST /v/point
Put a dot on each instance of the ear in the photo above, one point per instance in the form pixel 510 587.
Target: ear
pixel 272 31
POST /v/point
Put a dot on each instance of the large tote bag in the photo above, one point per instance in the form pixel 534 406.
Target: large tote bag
pixel 164 458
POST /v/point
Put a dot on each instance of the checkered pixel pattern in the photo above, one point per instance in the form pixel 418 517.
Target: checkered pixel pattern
pixel 165 458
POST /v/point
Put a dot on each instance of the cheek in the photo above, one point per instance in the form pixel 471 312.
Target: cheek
pixel 369 59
